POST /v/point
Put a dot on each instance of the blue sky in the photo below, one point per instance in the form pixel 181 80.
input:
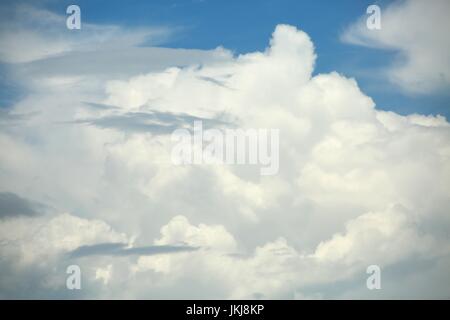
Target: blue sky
pixel 245 26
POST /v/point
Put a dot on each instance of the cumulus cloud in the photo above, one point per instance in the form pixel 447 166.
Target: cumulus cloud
pixel 417 31
pixel 356 186
pixel 42 236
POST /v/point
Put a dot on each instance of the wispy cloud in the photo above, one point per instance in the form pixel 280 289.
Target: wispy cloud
pixel 418 31
pixel 121 249
pixel 155 122
pixel 23 40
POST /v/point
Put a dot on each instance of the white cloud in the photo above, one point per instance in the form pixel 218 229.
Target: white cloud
pixel 417 30
pixel 381 236
pixel 104 274
pixel 356 185
pixel 179 230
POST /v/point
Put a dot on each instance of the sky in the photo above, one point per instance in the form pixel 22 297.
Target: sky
pixel 244 26
pixel 87 177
